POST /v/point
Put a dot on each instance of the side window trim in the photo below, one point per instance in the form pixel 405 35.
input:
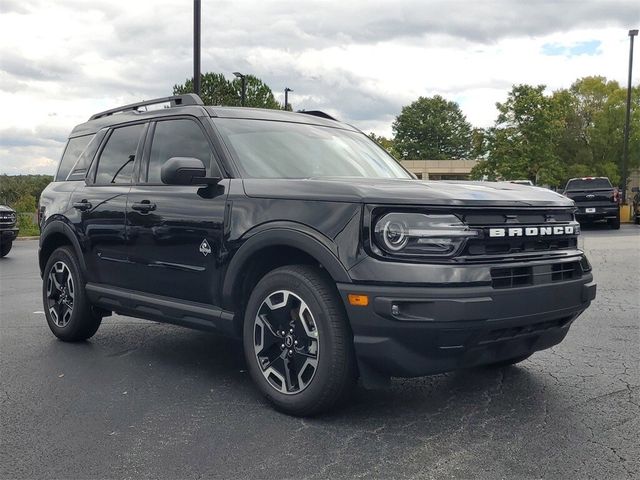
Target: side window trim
pixel 94 166
pixel 144 169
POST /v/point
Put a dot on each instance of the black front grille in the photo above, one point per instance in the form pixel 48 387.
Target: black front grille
pixel 516 217
pixel 511 277
pixel 505 246
pixel 485 248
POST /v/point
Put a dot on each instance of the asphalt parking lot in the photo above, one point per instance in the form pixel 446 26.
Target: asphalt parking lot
pixel 145 400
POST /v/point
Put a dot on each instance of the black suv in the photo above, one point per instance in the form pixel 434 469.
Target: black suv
pixel 303 237
pixel 8 229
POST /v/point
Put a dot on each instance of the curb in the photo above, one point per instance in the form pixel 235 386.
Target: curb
pixel 27 238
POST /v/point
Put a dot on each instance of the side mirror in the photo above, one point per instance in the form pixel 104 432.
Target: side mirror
pixel 185 171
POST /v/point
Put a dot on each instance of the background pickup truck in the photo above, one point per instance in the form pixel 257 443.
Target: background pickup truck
pixel 596 199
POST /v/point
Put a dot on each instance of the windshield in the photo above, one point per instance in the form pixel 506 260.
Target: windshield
pixel 269 149
pixel 588 183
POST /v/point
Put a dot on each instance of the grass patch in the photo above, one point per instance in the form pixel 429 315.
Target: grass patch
pixel 28 228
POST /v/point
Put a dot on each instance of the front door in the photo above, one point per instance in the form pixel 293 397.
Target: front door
pixel 175 233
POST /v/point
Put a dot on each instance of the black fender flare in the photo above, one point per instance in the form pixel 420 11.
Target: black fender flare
pixel 60 227
pixel 311 243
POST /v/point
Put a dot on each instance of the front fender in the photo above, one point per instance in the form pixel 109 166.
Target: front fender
pixel 302 238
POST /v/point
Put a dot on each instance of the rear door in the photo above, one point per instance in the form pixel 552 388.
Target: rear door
pixel 175 232
pixel 100 205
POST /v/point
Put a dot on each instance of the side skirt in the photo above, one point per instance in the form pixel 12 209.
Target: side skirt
pixel 162 309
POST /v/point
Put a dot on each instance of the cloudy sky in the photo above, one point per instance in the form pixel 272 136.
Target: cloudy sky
pixel 361 60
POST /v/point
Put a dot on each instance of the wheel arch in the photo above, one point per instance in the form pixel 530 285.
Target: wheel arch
pixel 272 248
pixel 54 235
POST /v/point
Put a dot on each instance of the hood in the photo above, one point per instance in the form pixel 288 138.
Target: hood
pixel 406 192
pixel 4 208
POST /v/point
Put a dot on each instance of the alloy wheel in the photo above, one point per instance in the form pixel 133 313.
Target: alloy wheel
pixel 60 294
pixel 286 342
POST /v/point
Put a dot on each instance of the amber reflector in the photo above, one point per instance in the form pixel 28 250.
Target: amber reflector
pixel 358 300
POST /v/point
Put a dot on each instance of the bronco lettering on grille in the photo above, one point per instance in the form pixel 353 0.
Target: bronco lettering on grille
pixel 532 231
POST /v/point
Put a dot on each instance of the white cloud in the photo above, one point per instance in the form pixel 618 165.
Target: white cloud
pixel 361 61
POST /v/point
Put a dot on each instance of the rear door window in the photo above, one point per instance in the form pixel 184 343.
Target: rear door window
pixel 116 161
pixel 75 147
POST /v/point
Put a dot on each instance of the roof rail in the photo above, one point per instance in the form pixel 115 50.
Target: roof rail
pixel 175 101
pixel 318 113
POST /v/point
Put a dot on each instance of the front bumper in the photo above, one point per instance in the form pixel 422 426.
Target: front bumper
pixel 8 235
pixel 414 331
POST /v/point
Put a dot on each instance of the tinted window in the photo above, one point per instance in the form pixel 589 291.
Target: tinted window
pixel 268 149
pixel 79 170
pixel 118 156
pixel 588 183
pixel 75 147
pixel 176 138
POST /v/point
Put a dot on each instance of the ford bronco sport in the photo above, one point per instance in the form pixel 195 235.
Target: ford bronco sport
pixel 303 237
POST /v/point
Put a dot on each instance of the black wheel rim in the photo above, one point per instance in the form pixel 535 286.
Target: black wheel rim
pixel 286 344
pixel 60 294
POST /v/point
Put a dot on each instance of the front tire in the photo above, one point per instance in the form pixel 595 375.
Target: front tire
pixel 297 341
pixel 66 307
pixel 5 248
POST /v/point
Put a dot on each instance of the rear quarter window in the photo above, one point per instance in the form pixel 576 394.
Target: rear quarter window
pixel 73 150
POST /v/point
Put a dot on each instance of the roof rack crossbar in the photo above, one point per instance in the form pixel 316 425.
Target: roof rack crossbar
pixel 174 101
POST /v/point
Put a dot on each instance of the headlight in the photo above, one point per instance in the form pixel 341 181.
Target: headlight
pixel 417 234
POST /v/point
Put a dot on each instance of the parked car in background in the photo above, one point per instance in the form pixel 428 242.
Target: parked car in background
pixel 8 229
pixel 596 200
pixel 636 206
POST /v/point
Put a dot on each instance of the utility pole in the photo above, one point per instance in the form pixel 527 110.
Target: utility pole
pixel 625 148
pixel 243 87
pixel 286 97
pixel 196 47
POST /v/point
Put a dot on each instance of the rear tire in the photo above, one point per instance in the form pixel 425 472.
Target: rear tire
pixel 509 361
pixel 614 223
pixel 297 341
pixel 66 306
pixel 5 248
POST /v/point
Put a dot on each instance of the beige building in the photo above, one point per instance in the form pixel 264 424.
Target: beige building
pixel 440 169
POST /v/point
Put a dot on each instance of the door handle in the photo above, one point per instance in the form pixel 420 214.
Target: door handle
pixel 82 206
pixel 144 206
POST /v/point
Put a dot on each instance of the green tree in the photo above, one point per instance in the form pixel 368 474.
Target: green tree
pixel 523 142
pixel 215 89
pixel 22 191
pixel 432 129
pixel 384 142
pixel 592 141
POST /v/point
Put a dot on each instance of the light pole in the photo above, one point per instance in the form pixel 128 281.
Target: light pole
pixel 242 86
pixel 196 47
pixel 286 97
pixel 625 147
